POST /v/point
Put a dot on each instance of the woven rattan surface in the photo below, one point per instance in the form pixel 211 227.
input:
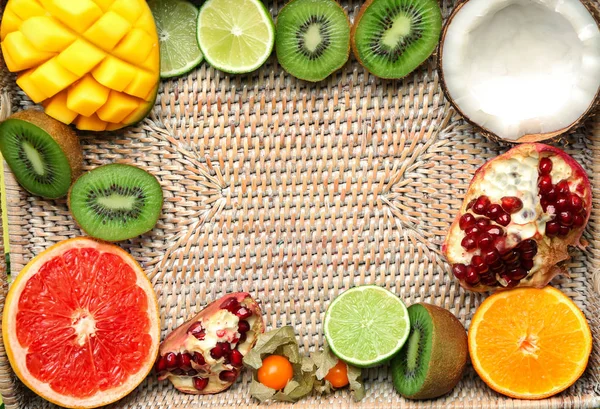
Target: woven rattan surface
pixel 294 192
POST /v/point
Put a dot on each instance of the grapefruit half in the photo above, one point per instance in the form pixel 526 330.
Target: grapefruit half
pixel 81 325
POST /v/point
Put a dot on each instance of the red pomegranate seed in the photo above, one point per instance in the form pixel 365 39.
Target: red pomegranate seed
pixel 562 203
pixel 494 211
pixel 491 256
pixel 578 220
pixel 459 271
pixel 221 333
pixel 563 230
pixel 243 327
pixel 200 383
pixel 471 203
pixel 497 267
pixel 184 360
pixel 243 313
pixel 528 255
pixel 472 231
pixel 551 195
pixel 544 184
pixel 197 331
pixel 566 218
pixel 511 256
pixel 178 371
pixel 228 376
pixel 545 203
pixel 481 205
pixel 489 279
pixel 527 264
pixel 479 264
pixel 231 305
pixel 469 242
pixel 217 351
pixel 528 244
pixel 496 231
pixel 192 372
pixel 510 283
pixel 171 360
pixel 511 204
pixel 161 364
pixel 236 358
pixel 485 241
pixel 199 358
pixel 575 202
pixel 482 223
pixel 552 228
pixel 242 338
pixel 472 277
pixel 466 220
pixel 225 347
pixel 504 219
pixel 517 273
pixel 562 187
pixel 545 166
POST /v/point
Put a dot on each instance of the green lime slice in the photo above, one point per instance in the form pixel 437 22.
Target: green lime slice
pixel 176 25
pixel 235 36
pixel 367 325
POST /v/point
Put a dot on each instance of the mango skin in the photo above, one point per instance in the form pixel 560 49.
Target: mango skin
pixel 92 63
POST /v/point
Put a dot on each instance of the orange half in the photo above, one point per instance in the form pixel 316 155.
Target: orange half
pixel 529 343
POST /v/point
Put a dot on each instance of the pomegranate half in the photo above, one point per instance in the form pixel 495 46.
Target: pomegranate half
pixel 521 212
pixel 205 354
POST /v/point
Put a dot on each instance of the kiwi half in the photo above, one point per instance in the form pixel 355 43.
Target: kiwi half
pixel 391 38
pixel 116 202
pixel 312 38
pixel 43 153
pixel 433 359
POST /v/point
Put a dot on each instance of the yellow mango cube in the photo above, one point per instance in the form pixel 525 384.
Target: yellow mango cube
pixel 76 14
pixel 35 93
pixel 72 60
pixel 90 123
pixel 114 73
pixel 104 4
pixel 146 23
pixel 86 96
pixel 135 47
pixel 23 54
pixel 108 30
pixel 47 33
pixel 140 85
pixel 25 9
pixel 118 107
pixel 56 107
pixel 140 112
pixel 51 77
pixel 129 9
pixel 10 22
pixel 114 127
pixel 152 60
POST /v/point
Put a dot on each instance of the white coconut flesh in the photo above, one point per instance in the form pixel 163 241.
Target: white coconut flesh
pixel 522 67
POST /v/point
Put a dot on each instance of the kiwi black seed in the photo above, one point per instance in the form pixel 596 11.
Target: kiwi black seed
pixel 433 359
pixel 116 202
pixel 43 153
pixel 391 38
pixel 312 38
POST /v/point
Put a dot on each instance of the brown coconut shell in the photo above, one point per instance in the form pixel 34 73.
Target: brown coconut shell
pixel 593 8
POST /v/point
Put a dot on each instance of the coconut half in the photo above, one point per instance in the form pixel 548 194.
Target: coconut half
pixel 521 70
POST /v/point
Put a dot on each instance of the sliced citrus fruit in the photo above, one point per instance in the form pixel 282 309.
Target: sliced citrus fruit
pixel 529 343
pixel 176 22
pixel 81 324
pixel 235 36
pixel 366 325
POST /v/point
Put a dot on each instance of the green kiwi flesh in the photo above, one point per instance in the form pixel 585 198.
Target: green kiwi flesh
pixel 433 359
pixel 312 38
pixel 391 38
pixel 116 202
pixel 43 154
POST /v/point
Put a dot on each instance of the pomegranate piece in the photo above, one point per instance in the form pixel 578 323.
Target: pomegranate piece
pixel 521 212
pixel 205 354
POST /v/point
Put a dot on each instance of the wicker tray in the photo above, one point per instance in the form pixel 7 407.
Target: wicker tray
pixel 295 192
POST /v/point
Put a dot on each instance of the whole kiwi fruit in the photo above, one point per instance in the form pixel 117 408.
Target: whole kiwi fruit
pixel 433 359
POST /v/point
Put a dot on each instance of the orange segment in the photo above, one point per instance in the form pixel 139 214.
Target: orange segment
pixel 529 343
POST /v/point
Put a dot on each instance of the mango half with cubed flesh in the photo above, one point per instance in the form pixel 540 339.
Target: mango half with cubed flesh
pixel 93 63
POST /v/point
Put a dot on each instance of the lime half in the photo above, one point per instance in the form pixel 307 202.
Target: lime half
pixel 236 36
pixel 367 325
pixel 176 25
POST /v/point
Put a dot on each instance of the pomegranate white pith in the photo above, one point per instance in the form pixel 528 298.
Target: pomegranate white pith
pixel 205 354
pixel 521 212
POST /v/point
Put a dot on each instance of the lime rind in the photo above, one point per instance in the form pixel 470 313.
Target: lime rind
pixel 217 19
pixel 366 326
pixel 176 24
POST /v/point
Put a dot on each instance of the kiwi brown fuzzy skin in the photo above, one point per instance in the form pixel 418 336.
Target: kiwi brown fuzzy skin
pixel 449 354
pixel 61 133
pixel 357 19
pixel 549 137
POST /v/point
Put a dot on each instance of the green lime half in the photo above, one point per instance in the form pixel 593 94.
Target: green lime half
pixel 367 325
pixel 176 25
pixel 235 36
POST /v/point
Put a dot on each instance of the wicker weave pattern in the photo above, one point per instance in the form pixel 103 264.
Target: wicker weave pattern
pixel 295 192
